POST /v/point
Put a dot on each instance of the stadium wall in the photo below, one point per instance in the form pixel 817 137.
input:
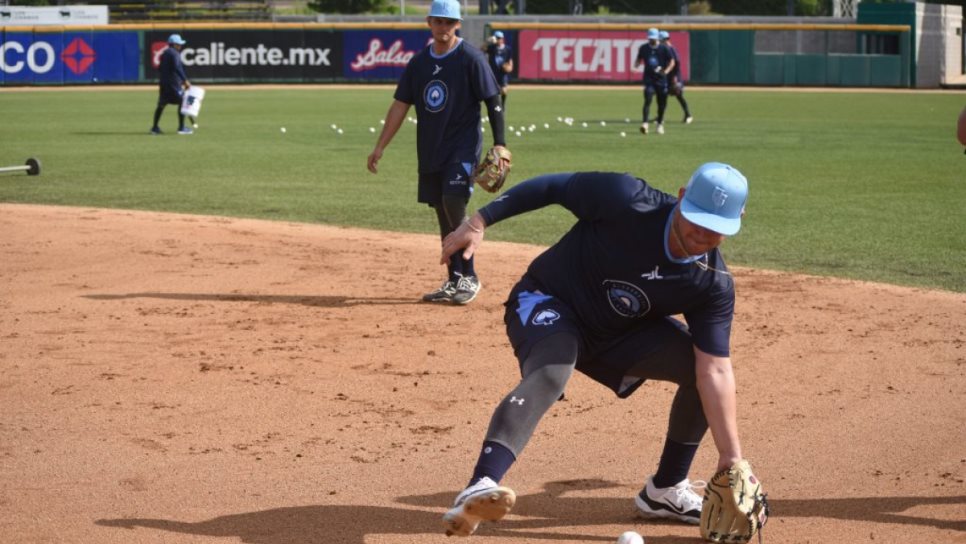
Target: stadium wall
pixel 603 53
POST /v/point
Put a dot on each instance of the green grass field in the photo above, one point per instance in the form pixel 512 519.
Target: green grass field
pixel 859 185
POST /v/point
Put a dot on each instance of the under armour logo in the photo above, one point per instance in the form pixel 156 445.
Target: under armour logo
pixel 516 400
pixel 438 68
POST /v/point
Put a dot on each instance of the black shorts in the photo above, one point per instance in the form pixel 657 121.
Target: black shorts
pixel 169 96
pixel 453 179
pixel 531 316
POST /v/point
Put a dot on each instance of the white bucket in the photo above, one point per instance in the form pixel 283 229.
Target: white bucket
pixel 191 103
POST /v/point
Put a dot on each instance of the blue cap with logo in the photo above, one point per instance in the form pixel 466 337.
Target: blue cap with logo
pixel 653 34
pixel 498 34
pixel 176 39
pixel 664 35
pixel 715 198
pixel 447 9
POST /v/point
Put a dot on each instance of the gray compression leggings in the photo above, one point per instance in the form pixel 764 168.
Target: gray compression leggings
pixel 548 368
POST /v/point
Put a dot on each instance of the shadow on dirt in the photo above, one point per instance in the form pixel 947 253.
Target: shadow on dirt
pixel 321 301
pixel 549 509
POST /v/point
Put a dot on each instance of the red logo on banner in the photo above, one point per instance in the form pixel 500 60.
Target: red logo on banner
pixel 156 49
pixel 78 56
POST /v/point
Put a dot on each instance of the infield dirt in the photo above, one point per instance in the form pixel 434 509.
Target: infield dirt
pixel 173 378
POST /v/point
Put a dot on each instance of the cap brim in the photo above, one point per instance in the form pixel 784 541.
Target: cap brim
pixel 710 221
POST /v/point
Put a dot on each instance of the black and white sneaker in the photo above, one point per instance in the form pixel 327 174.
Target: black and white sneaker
pixel 467 287
pixel 483 501
pixel 678 502
pixel 443 294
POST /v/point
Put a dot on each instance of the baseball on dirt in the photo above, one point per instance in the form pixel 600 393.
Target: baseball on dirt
pixel 630 537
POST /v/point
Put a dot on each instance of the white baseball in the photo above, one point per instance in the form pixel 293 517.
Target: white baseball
pixel 630 537
pixel 283 130
pixel 372 129
pixel 623 134
pixel 339 131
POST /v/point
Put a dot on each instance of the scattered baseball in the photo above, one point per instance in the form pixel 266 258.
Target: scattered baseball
pixel 382 121
pixel 559 119
pixel 283 130
pixel 333 126
pixel 623 134
pixel 339 131
pixel 372 129
pixel 518 133
pixel 583 125
pixel 603 123
pixel 546 125
pixel 627 119
pixel 630 537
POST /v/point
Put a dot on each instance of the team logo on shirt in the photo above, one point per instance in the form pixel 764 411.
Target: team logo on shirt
pixel 627 299
pixel 545 317
pixel 435 95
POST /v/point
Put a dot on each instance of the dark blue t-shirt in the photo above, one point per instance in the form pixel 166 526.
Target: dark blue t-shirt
pixel 653 57
pixel 171 73
pixel 446 92
pixel 613 267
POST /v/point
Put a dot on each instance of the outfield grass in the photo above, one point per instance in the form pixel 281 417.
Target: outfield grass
pixel 860 185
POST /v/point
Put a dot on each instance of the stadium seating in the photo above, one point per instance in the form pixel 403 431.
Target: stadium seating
pixel 134 11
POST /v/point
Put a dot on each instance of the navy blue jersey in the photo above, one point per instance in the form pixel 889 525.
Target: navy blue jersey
pixel 498 56
pixel 613 268
pixel 171 73
pixel 676 72
pixel 446 92
pixel 653 57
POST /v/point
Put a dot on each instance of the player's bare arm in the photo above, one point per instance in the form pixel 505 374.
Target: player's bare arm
pixel 394 119
pixel 467 237
pixel 716 386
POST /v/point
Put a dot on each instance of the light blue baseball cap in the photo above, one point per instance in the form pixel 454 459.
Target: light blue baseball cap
pixel 447 9
pixel 653 34
pixel 715 198
pixel 498 34
pixel 176 39
pixel 664 35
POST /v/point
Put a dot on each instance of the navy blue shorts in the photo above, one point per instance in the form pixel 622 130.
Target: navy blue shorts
pixel 453 179
pixel 532 316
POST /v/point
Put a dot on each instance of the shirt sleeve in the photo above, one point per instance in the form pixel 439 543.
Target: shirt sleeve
pixel 640 53
pixel 710 324
pixel 482 79
pixel 589 196
pixel 404 89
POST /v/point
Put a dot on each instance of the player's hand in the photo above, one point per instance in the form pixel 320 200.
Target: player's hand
pixel 467 237
pixel 659 69
pixel 373 160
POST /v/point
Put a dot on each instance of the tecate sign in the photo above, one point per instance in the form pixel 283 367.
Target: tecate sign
pixel 586 55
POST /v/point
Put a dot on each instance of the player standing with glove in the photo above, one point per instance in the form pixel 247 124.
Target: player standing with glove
pixel 600 301
pixel 658 63
pixel 446 83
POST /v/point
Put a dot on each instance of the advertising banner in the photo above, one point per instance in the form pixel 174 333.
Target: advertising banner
pixel 250 55
pixel 68 57
pixel 380 54
pixel 588 55
pixel 53 15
